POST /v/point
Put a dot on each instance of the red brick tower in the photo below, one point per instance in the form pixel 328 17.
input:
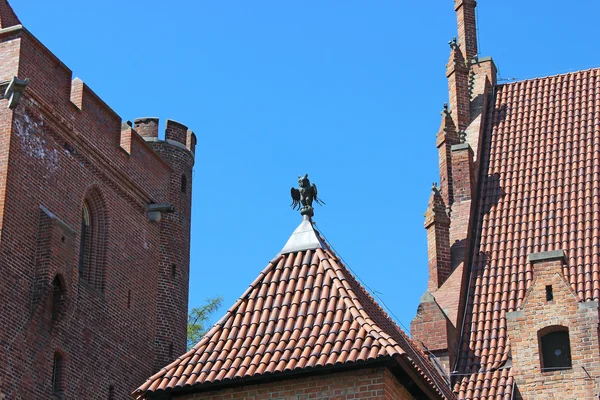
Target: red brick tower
pixel 177 149
pixel 94 233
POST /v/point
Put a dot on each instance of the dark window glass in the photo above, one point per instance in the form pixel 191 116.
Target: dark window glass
pixel 549 293
pixel 556 350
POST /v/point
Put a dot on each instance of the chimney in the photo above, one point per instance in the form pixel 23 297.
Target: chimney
pixel 467 27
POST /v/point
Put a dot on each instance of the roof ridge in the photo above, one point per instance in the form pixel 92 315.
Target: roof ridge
pixel 402 341
pixel 561 74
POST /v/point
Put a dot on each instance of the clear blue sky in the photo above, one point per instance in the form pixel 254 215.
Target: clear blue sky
pixel 347 91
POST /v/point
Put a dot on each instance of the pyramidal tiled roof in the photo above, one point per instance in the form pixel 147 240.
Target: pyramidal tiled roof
pixel 304 311
pixel 539 191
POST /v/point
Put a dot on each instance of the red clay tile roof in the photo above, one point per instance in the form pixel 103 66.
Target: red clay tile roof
pixel 304 311
pixel 539 191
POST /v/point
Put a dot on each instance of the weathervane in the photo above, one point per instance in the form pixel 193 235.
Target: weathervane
pixel 305 196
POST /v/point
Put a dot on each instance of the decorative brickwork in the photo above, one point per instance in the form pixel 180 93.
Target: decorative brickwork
pixel 551 303
pixel 61 147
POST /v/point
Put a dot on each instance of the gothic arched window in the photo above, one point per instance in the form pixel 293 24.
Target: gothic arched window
pixel 92 240
pixel 555 348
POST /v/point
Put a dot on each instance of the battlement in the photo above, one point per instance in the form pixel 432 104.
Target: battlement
pixel 80 119
pixel 176 133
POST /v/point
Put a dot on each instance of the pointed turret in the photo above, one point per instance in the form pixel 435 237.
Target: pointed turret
pixel 446 137
pixel 437 224
pixel 7 15
pixel 457 73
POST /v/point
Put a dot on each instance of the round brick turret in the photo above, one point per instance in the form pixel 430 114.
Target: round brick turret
pixel 173 280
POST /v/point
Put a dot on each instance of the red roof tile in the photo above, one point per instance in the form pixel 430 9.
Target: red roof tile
pixel 539 191
pixel 304 311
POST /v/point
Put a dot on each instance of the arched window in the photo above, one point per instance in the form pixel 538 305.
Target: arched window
pixel 555 348
pixel 58 367
pixel 92 240
pixel 58 297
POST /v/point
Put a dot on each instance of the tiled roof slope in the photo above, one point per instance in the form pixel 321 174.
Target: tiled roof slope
pixel 539 191
pixel 304 311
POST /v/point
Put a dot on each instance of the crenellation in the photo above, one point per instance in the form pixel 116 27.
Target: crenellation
pixel 146 127
pixel 176 132
pixel 191 141
pixel 77 93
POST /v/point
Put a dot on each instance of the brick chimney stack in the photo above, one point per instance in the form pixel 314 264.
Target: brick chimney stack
pixel 467 27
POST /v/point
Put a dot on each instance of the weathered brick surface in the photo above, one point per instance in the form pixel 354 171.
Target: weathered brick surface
pixel 58 146
pixel 565 310
pixel 369 384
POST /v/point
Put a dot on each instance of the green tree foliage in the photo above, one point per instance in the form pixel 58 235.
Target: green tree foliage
pixel 199 317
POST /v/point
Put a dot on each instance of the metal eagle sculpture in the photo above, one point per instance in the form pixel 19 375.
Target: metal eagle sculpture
pixel 304 196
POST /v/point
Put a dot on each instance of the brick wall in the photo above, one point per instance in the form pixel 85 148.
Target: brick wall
pixel 58 146
pixel 537 314
pixel 369 384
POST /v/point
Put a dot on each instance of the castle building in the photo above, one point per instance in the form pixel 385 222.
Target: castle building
pixel 513 230
pixel 511 307
pixel 94 233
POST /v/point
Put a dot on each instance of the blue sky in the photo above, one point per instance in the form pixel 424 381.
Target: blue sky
pixel 346 91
